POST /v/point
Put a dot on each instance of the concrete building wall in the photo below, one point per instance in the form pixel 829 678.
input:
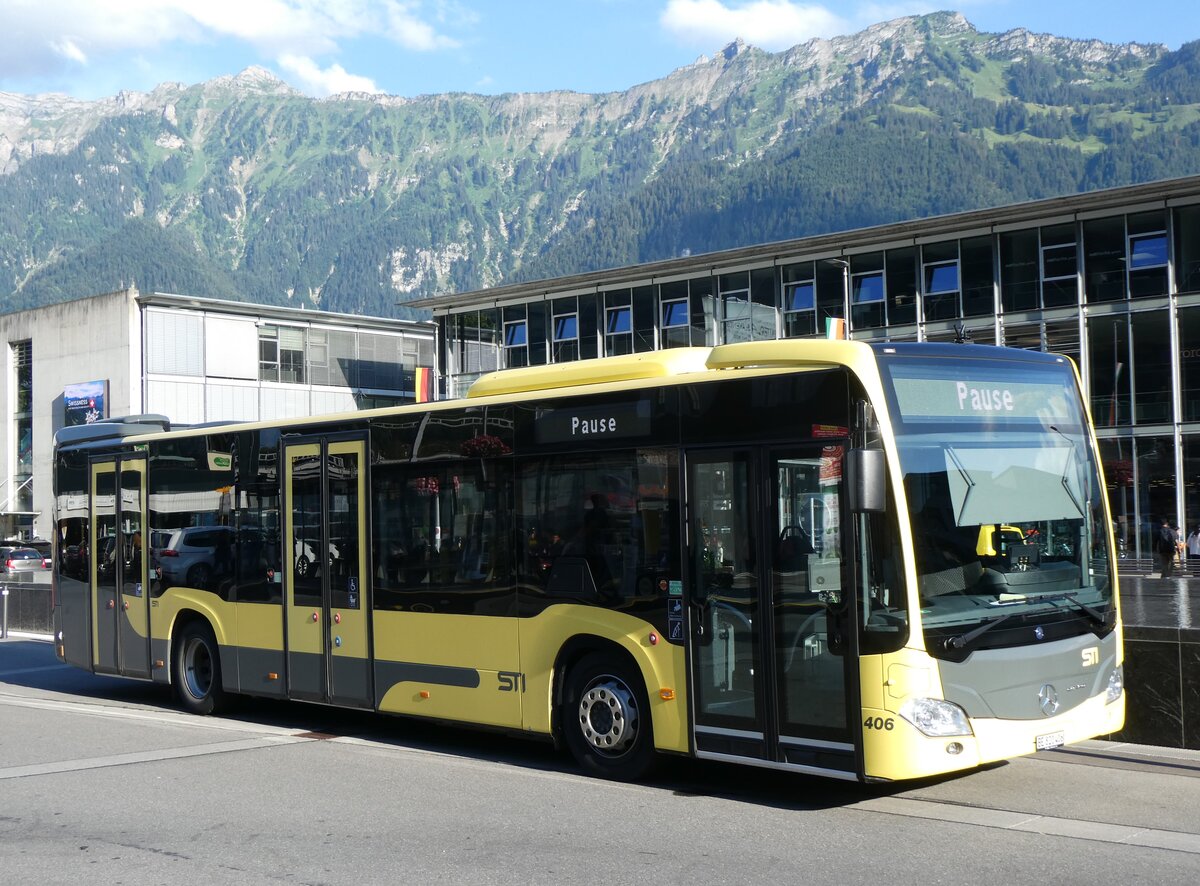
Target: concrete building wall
pixel 88 340
pixel 193 360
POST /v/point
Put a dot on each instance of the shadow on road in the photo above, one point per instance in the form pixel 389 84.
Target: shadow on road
pixel 32 664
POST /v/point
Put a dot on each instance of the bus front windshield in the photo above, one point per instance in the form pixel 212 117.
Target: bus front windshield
pixel 1005 501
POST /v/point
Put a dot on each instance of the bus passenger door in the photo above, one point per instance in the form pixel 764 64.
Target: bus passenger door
pixel 133 617
pixel 101 545
pixel 117 567
pixel 771 658
pixel 814 650
pixel 325 571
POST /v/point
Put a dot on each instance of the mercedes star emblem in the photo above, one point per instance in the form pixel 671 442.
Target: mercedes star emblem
pixel 1048 699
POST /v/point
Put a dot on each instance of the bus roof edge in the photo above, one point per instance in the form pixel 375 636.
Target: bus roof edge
pixel 652 364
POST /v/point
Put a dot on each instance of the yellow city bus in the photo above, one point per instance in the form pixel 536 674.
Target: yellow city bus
pixel 766 552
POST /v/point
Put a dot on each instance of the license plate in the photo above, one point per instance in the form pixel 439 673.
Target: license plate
pixel 1050 740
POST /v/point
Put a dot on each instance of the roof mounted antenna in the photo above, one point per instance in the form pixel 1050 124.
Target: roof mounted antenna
pixel 962 335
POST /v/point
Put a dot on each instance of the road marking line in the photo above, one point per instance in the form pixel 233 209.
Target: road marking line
pixel 266 735
pixel 221 747
pixel 167 718
pixel 1127 835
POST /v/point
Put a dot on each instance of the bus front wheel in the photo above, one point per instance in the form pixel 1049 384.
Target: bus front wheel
pixel 606 718
pixel 197 670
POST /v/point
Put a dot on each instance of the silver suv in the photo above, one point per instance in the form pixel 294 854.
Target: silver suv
pixel 195 555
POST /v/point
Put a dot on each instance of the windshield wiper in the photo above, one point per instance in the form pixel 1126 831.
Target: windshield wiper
pixel 963 639
pixel 1096 615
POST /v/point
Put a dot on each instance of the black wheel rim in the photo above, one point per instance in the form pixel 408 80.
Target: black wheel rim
pixel 197 668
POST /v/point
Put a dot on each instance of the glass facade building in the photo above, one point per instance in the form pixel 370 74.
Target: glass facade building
pixel 1110 279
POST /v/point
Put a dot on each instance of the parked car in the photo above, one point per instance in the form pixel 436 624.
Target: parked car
pixel 74 560
pixel 306 557
pixel 195 555
pixel 159 539
pixel 21 560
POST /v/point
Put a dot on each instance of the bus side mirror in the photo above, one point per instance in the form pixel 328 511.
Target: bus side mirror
pixel 866 473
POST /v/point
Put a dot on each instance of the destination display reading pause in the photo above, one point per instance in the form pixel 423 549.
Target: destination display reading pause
pixel 968 392
pixel 581 424
pixel 984 399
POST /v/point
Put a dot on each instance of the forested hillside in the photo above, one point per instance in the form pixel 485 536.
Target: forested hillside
pixel 242 188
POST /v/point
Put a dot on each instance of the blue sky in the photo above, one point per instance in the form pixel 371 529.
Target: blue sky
pixel 95 48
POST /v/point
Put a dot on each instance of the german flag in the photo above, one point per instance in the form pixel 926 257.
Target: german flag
pixel 423 384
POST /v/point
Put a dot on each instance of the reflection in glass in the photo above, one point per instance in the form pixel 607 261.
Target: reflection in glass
pixel 1104 259
pixel 1005 502
pixel 727 576
pixel 1019 270
pixel 806 582
pixel 307 556
pixel 104 511
pixel 1152 367
pixel 1109 358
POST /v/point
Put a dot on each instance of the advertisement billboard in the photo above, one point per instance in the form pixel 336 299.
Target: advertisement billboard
pixel 86 402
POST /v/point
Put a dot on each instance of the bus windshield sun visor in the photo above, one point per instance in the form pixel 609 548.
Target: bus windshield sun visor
pixel 990 484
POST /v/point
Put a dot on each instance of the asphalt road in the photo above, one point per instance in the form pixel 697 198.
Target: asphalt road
pixel 104 781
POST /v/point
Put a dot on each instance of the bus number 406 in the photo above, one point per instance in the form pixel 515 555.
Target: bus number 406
pixel 887 725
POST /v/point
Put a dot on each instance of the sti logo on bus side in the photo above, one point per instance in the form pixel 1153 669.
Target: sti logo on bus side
pixel 510 681
pixel 983 399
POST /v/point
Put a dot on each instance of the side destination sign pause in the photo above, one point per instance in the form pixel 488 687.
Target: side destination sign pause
pixel 590 423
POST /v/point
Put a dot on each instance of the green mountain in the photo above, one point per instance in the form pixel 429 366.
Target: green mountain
pixel 242 188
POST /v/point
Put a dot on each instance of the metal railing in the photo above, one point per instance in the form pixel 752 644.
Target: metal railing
pixel 26 606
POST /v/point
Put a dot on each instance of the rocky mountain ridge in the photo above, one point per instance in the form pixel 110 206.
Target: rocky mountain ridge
pixel 247 189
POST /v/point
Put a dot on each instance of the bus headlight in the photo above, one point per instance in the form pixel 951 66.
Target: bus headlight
pixel 1116 684
pixel 936 717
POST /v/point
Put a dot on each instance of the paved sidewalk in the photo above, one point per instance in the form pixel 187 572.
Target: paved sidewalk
pixel 1153 602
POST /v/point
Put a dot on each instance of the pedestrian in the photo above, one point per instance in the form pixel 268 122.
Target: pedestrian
pixel 1164 548
pixel 1193 544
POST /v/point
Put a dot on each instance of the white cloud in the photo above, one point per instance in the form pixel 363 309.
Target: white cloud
pixel 870 13
pixel 315 80
pixel 68 50
pixel 411 32
pixel 43 37
pixel 769 24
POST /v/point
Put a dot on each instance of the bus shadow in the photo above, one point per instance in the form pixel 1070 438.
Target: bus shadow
pixel 32 664
pixel 779 789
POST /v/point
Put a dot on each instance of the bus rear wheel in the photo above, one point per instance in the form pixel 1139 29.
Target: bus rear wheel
pixel 196 670
pixel 606 718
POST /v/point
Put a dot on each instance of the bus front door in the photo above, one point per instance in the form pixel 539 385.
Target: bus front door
pixel 773 668
pixel 117 552
pixel 325 573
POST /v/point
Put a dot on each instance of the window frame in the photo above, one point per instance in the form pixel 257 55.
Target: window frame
pixel 613 336
pixel 793 317
pixel 268 366
pixel 516 354
pixel 564 348
pixel 938 299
